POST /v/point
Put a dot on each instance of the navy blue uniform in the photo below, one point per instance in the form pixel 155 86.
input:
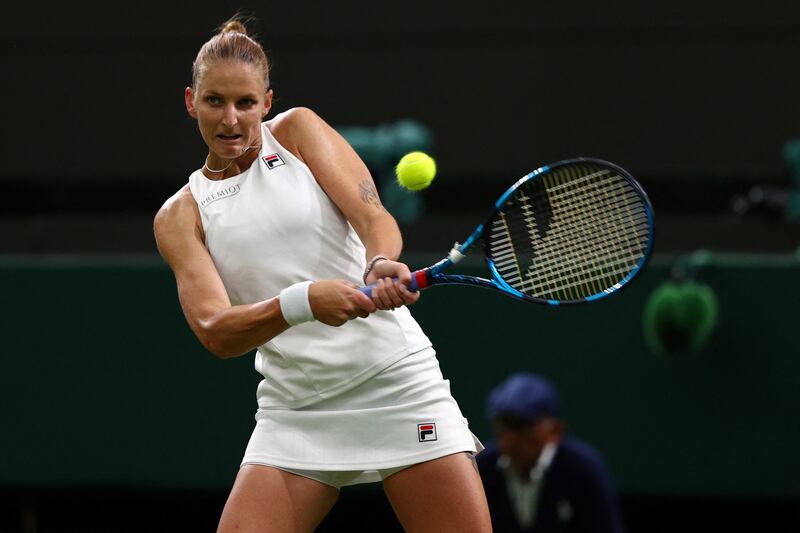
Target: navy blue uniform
pixel 576 493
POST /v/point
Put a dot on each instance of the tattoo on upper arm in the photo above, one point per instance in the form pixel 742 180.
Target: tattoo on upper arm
pixel 368 194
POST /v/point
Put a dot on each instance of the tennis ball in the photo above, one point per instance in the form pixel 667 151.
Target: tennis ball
pixel 415 171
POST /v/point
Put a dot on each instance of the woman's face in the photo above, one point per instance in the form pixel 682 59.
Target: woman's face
pixel 229 104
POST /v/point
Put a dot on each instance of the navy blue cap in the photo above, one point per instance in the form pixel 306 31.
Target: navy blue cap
pixel 524 395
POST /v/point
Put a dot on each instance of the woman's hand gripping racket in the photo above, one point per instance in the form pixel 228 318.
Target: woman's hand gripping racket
pixel 570 232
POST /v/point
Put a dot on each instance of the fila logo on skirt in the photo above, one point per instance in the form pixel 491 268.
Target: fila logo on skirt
pixel 426 431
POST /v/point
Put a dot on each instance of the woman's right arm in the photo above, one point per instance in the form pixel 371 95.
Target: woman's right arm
pixel 226 330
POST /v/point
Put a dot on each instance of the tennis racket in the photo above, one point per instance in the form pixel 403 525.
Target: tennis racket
pixel 570 232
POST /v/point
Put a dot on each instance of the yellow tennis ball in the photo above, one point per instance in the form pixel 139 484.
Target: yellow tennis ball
pixel 415 170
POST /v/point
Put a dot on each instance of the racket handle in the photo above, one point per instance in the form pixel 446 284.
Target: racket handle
pixel 414 286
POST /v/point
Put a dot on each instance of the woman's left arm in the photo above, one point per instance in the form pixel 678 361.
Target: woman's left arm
pixel 348 183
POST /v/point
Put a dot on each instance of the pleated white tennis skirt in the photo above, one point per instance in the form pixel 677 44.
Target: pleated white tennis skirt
pixel 402 416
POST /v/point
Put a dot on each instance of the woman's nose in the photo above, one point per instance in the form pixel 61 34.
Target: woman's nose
pixel 229 117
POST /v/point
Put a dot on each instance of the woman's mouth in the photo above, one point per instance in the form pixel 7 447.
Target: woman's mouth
pixel 229 138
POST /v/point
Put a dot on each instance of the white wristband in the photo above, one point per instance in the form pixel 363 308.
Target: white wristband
pixel 294 302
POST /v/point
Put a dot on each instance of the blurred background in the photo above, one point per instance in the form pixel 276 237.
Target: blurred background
pixel 114 418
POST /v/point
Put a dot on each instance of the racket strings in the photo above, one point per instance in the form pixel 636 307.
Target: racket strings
pixel 608 256
pixel 581 254
pixel 589 227
pixel 590 211
pixel 618 209
pixel 581 251
pixel 621 192
pixel 591 232
pixel 577 232
pixel 545 279
pixel 506 251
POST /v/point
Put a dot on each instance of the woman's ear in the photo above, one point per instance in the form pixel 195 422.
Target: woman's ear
pixel 188 97
pixel 267 103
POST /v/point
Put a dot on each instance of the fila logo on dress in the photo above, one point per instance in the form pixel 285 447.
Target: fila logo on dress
pixel 426 431
pixel 273 160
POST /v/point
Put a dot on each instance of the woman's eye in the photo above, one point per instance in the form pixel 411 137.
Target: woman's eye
pixel 213 100
pixel 247 102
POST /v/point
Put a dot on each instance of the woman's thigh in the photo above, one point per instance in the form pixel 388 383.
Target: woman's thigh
pixel 264 498
pixel 442 495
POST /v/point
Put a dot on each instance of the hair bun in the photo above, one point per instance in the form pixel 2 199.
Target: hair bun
pixel 233 25
pixel 231 42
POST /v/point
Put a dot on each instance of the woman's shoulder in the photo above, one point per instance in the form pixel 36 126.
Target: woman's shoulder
pixel 295 122
pixel 294 128
pixel 296 116
pixel 178 206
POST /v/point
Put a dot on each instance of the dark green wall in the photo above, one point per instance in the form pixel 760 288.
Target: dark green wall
pixel 647 85
pixel 102 382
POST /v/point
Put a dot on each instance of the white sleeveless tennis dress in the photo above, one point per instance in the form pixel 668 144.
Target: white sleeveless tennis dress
pixel 352 403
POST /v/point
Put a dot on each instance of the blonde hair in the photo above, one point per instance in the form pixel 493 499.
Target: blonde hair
pixel 232 42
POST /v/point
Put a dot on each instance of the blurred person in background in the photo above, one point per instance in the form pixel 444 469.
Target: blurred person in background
pixel 536 478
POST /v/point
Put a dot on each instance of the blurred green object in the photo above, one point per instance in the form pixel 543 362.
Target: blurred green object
pixel 679 317
pixel 381 147
pixel 791 157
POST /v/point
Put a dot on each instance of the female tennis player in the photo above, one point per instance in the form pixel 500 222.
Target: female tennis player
pixel 268 242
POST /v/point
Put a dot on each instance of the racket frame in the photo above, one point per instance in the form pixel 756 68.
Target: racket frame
pixel 433 275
